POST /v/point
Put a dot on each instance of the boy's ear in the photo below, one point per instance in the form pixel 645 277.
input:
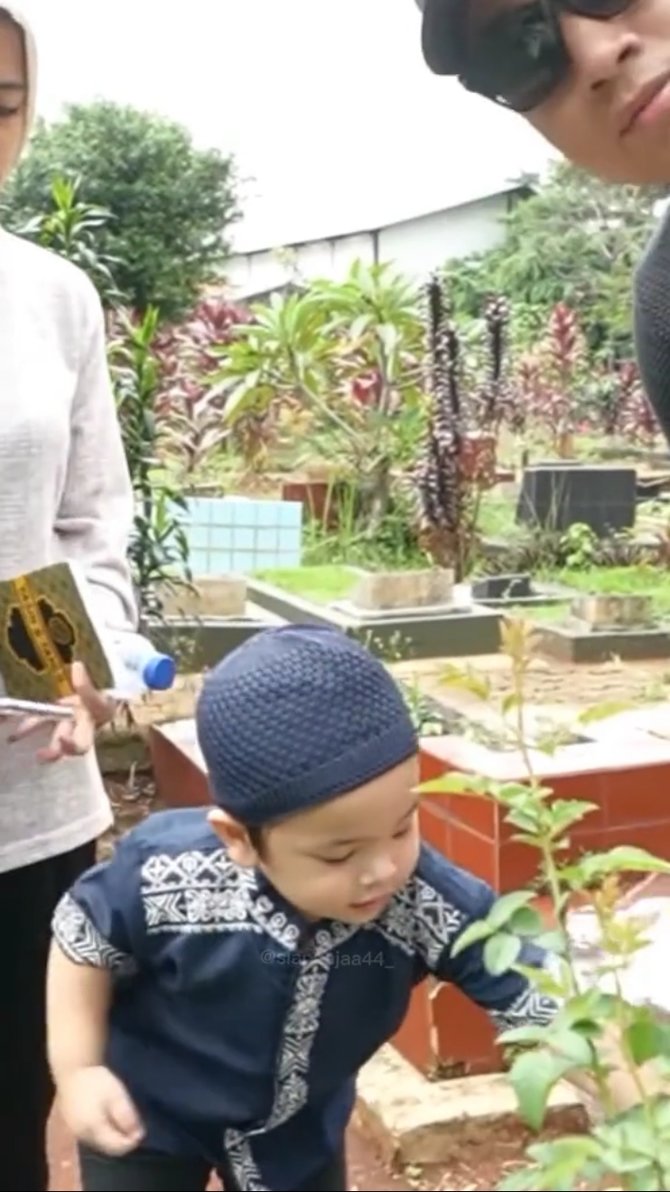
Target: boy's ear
pixel 235 836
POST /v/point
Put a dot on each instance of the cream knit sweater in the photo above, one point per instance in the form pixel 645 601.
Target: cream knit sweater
pixel 64 494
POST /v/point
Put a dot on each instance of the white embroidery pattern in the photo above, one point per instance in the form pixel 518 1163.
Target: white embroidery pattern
pixel 199 892
pixel 421 920
pixel 530 1008
pixel 300 1030
pixel 81 941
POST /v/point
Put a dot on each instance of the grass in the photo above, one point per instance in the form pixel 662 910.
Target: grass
pixel 322 584
pixel 620 581
pixel 539 612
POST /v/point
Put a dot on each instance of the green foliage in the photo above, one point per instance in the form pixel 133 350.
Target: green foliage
pixel 159 547
pixel 348 354
pixel 576 242
pixel 595 1031
pixel 171 203
pixel 73 229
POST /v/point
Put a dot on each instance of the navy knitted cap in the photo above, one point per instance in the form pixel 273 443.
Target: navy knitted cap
pixel 295 716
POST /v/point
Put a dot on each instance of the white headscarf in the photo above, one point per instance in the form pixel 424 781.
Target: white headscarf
pixel 31 76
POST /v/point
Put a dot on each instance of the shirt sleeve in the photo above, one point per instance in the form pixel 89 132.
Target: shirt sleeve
pixel 95 515
pixel 99 921
pixel 457 899
pixel 651 311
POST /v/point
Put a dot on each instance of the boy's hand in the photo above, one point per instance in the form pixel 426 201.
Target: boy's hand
pixel 99 1111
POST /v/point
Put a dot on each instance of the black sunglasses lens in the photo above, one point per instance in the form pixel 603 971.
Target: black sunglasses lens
pixel 518 58
pixel 597 10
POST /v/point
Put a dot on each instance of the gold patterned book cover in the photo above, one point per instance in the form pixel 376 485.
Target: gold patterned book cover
pixel 45 627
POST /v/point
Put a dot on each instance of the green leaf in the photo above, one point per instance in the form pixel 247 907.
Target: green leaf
pixel 505 907
pixel 618 860
pixel 548 984
pixel 526 921
pixel 552 941
pixel 520 1181
pixel 473 934
pixel 533 1076
pixel 467 680
pixel 563 813
pixel 523 1035
pixel 572 1044
pixel 500 952
pixel 604 710
pixel 457 783
pixel 564 1160
pixel 648 1039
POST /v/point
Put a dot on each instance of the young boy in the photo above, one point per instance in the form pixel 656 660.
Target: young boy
pixel 217 985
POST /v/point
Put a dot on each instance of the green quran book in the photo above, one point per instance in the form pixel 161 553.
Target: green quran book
pixel 45 626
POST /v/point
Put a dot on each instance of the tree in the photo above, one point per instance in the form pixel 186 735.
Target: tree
pixel 171 204
pixel 575 242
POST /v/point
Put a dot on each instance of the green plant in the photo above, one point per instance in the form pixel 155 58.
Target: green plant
pixel 159 547
pixel 172 203
pixel 349 354
pixel 73 229
pixel 607 1045
pixel 575 240
pixel 579 546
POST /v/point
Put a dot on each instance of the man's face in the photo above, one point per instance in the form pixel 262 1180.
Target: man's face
pixel 610 113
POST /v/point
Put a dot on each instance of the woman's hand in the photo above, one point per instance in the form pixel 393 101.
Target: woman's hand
pixel 76 735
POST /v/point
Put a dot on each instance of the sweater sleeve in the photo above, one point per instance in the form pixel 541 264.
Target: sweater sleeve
pixel 95 516
pixel 652 322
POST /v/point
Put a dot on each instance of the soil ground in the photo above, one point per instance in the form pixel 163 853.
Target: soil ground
pixel 549 682
pixel 472 1172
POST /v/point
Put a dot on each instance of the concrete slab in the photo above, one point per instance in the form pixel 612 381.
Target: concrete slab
pixel 415 1120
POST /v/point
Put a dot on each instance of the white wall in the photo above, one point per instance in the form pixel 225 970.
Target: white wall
pixel 415 247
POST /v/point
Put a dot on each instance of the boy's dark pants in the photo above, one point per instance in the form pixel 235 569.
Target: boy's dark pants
pixel 143 1171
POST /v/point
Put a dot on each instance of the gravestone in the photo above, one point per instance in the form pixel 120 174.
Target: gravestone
pixel 556 496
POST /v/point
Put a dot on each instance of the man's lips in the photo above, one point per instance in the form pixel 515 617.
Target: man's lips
pixel 633 111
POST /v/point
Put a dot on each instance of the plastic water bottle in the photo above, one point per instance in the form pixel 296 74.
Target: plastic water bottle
pixel 140 667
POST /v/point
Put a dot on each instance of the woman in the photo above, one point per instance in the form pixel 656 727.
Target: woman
pixel 593 77
pixel 64 494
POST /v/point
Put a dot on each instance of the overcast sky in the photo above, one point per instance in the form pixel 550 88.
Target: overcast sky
pixel 325 103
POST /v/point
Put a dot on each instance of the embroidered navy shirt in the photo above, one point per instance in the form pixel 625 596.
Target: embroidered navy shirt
pixel 239 1027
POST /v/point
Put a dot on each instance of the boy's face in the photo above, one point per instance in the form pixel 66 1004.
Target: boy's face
pixel 12 93
pixel 344 859
pixel 610 111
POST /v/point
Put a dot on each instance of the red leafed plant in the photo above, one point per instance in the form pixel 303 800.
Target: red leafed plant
pixel 548 380
pixel 635 418
pixel 189 409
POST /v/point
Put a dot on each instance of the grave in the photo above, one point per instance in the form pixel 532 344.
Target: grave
pixel 517 590
pixel 642 980
pixel 409 612
pixel 558 495
pixel 202 623
pixel 601 627
pixel 626 776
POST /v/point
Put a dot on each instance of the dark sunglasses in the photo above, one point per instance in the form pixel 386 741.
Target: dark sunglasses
pixel 519 57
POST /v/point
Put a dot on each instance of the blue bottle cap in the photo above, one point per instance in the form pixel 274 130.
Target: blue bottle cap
pixel 159 672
